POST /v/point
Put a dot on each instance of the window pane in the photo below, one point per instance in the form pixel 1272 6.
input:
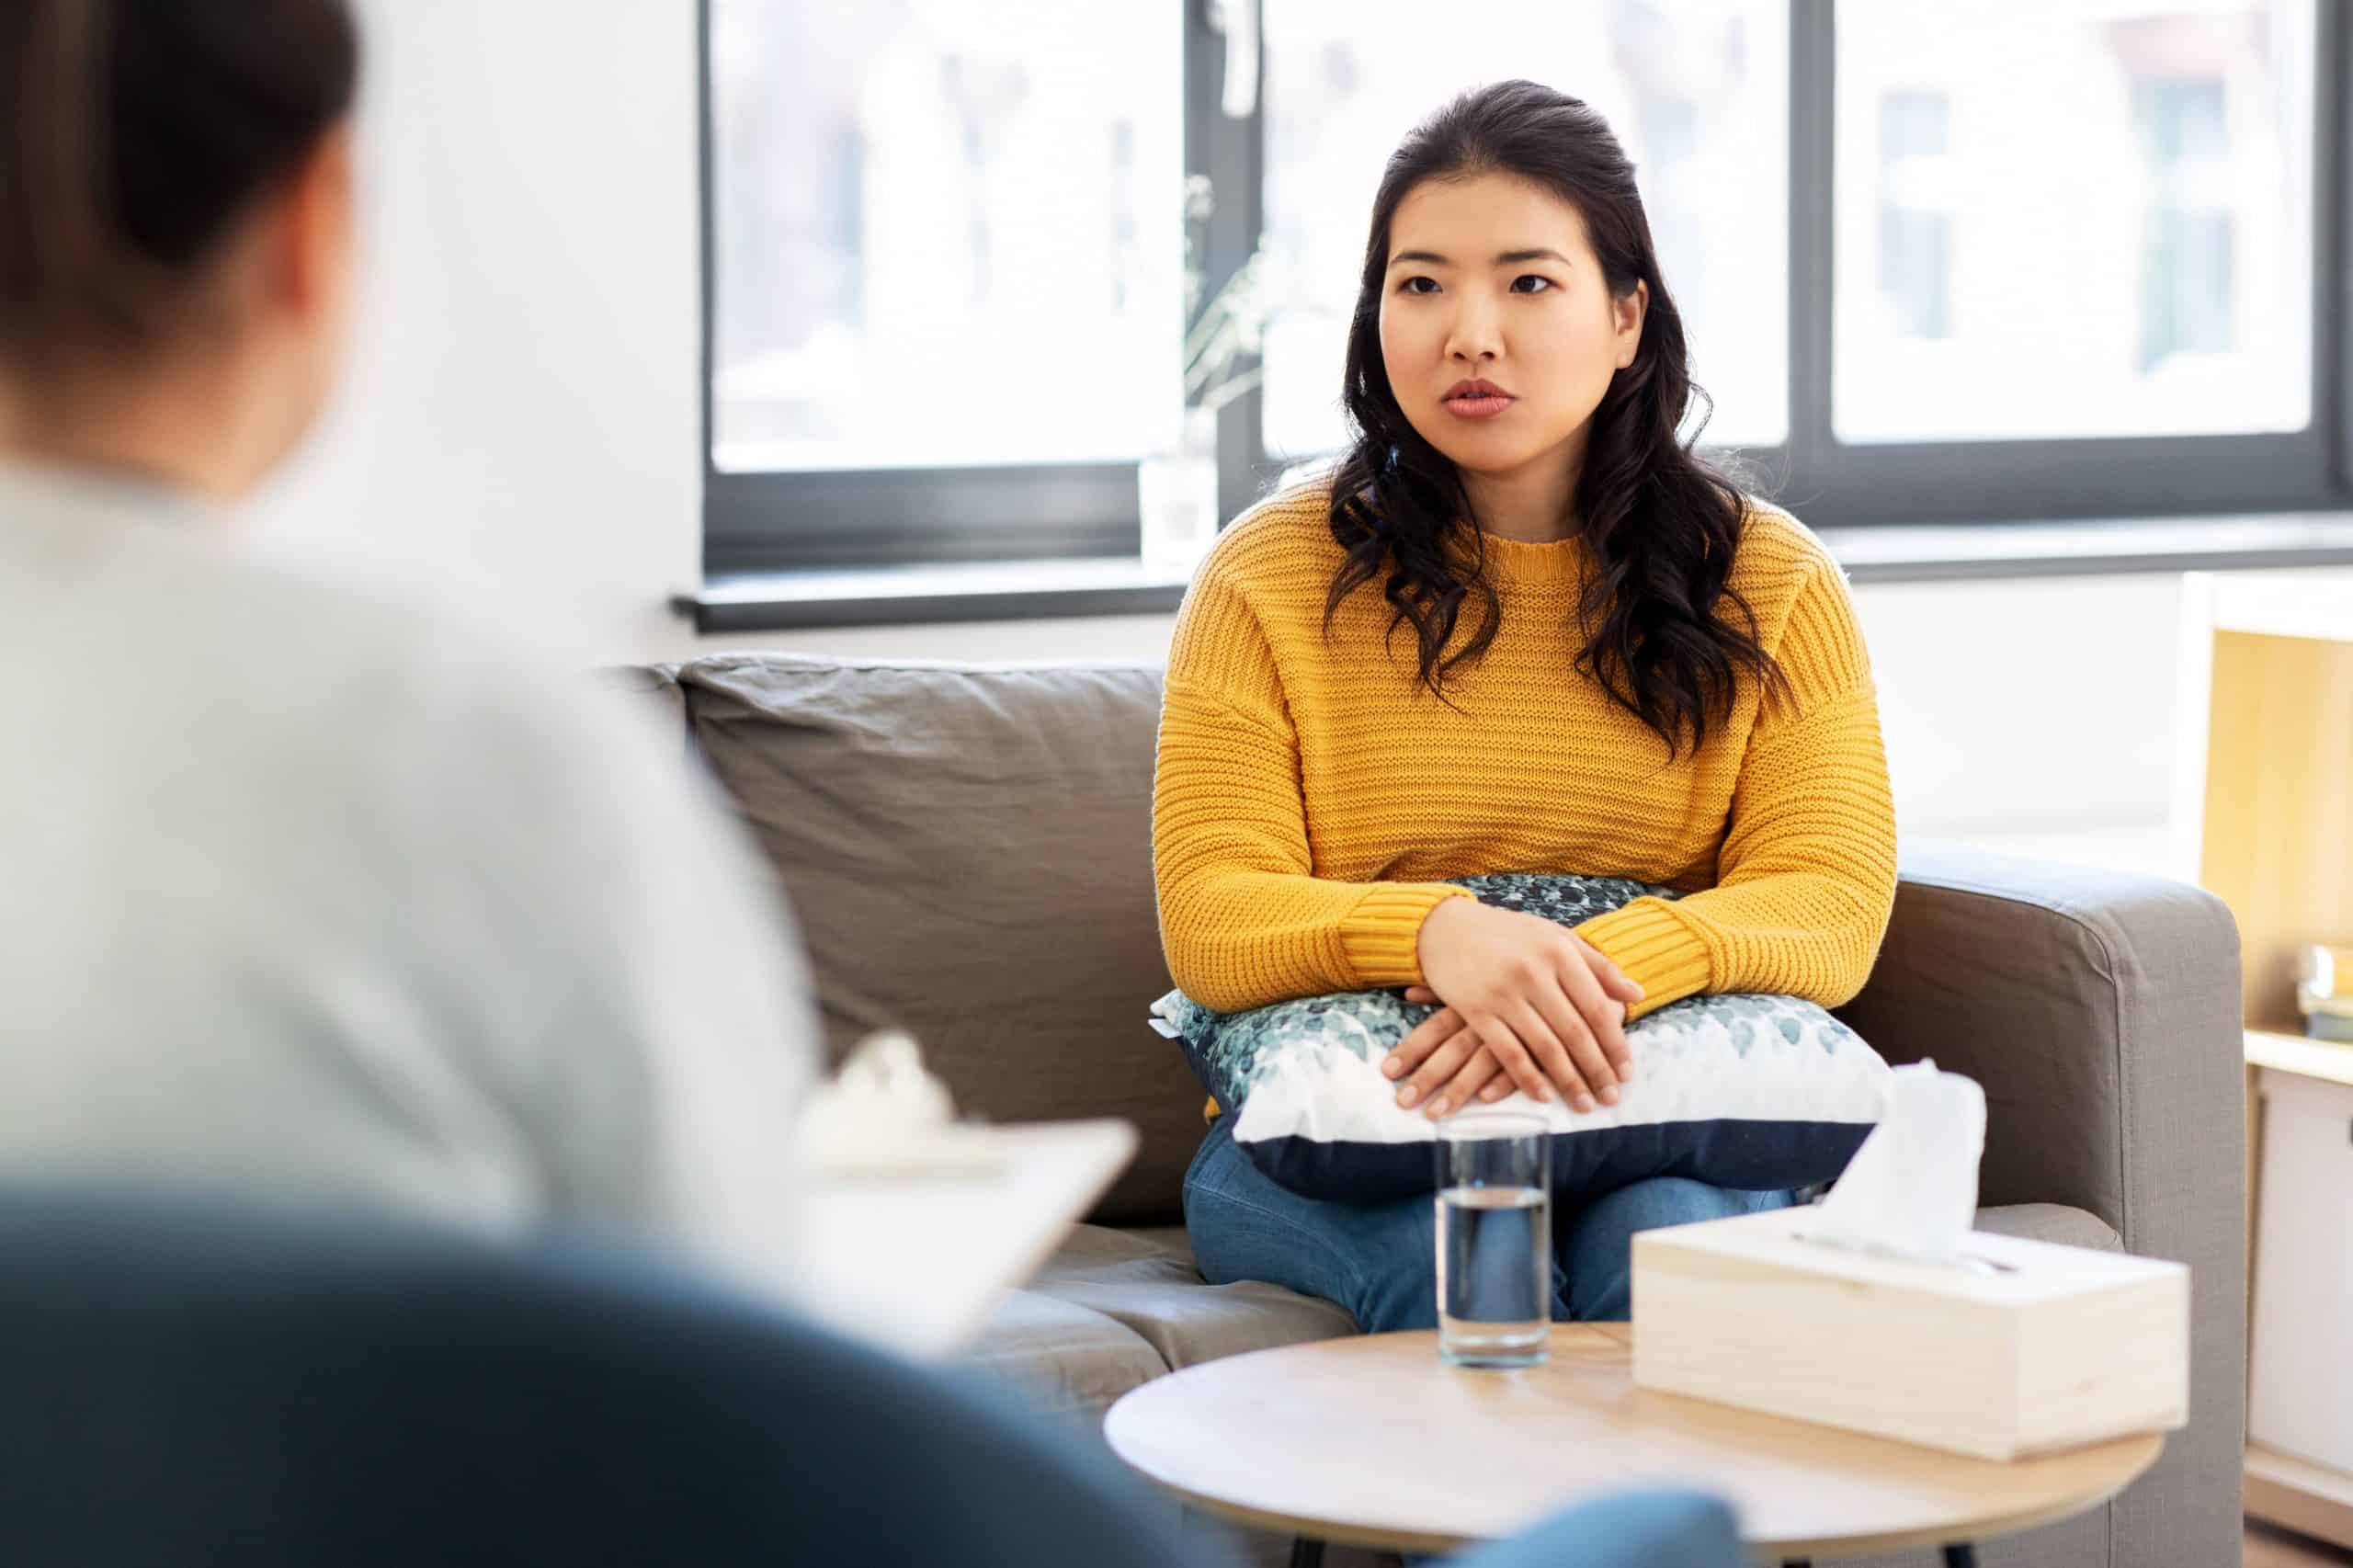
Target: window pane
pixel 2073 217
pixel 1697 92
pixel 945 233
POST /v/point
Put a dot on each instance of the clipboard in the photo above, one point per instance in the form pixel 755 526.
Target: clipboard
pixel 915 1259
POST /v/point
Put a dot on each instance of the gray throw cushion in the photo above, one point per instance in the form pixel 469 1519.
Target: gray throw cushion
pixel 968 850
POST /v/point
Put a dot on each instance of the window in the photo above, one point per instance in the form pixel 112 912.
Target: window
pixel 1697 92
pixel 2096 226
pixel 943 274
pixel 1915 216
pixel 945 235
pixel 2186 262
pixel 2011 259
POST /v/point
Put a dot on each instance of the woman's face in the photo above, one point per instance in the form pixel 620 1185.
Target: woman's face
pixel 1492 280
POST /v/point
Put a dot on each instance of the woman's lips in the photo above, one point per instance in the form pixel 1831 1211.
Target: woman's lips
pixel 1478 408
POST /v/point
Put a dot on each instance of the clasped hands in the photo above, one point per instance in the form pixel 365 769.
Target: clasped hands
pixel 1527 1005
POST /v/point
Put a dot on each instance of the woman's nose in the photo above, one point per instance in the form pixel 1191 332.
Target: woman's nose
pixel 1473 335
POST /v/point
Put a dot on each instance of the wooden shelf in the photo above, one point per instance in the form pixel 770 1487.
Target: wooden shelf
pixel 2266 744
pixel 2284 1490
pixel 2322 1059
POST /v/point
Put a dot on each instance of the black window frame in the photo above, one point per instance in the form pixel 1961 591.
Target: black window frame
pixel 880 521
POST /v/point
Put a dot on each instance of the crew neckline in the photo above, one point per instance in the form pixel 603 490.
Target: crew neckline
pixel 48 484
pixel 56 518
pixel 1530 562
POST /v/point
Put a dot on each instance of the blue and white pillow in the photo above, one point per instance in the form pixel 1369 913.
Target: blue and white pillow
pixel 1743 1091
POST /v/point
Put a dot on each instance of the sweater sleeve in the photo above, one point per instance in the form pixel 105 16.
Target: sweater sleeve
pixel 1806 874
pixel 1243 920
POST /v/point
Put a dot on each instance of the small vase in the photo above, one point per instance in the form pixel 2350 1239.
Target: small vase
pixel 1178 490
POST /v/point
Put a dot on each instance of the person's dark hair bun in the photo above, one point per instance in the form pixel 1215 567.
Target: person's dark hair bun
pixel 134 135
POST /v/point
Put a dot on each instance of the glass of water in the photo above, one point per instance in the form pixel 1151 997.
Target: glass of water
pixel 1494 1240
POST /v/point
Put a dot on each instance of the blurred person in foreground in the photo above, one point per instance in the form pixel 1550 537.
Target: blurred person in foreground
pixel 310 895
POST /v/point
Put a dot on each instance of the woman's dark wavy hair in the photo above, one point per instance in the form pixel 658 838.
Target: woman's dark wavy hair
pixel 1660 522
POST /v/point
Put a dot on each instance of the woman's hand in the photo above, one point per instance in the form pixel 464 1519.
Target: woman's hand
pixel 1524 996
pixel 1479 1074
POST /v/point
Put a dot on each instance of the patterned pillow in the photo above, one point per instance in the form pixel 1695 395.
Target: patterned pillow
pixel 1741 1091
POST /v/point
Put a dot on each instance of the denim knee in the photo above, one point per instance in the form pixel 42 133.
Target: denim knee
pixel 1377 1262
pixel 1597 1249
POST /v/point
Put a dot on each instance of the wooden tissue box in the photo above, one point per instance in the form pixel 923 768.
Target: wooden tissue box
pixel 2048 1348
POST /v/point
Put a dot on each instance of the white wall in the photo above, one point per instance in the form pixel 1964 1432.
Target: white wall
pixel 521 411
pixel 523 416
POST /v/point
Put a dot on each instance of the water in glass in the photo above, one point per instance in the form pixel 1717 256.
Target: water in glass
pixel 1495 1241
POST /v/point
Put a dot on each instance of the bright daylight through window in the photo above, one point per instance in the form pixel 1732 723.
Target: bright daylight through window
pixel 2098 226
pixel 970 264
pixel 944 233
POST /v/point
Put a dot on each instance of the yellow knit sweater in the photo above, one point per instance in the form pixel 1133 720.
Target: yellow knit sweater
pixel 1308 793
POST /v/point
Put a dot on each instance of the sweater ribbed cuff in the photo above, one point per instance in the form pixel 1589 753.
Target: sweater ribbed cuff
pixel 1379 936
pixel 1656 948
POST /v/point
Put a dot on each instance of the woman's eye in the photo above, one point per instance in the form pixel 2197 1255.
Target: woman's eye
pixel 1537 278
pixel 1408 286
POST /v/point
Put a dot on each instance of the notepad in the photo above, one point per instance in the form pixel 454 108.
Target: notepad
pixel 915 1259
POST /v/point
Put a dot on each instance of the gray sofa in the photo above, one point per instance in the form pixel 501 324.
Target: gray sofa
pixel 967 848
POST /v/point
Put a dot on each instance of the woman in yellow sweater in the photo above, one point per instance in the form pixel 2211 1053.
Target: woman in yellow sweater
pixel 1520 628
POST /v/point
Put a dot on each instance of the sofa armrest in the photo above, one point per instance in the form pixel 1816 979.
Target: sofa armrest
pixel 2101 1012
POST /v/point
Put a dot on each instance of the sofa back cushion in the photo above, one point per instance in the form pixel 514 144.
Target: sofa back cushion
pixel 968 851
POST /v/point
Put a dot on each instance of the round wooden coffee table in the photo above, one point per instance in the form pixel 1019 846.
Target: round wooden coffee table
pixel 1374 1441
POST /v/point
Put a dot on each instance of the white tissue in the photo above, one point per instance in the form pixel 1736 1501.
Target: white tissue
pixel 1911 1190
pixel 884 1112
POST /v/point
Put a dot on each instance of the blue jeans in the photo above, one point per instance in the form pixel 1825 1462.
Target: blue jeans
pixel 1379 1261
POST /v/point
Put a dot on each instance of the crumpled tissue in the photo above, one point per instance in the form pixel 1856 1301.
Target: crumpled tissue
pixel 884 1113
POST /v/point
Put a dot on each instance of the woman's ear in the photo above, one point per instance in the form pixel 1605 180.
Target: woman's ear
pixel 1630 307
